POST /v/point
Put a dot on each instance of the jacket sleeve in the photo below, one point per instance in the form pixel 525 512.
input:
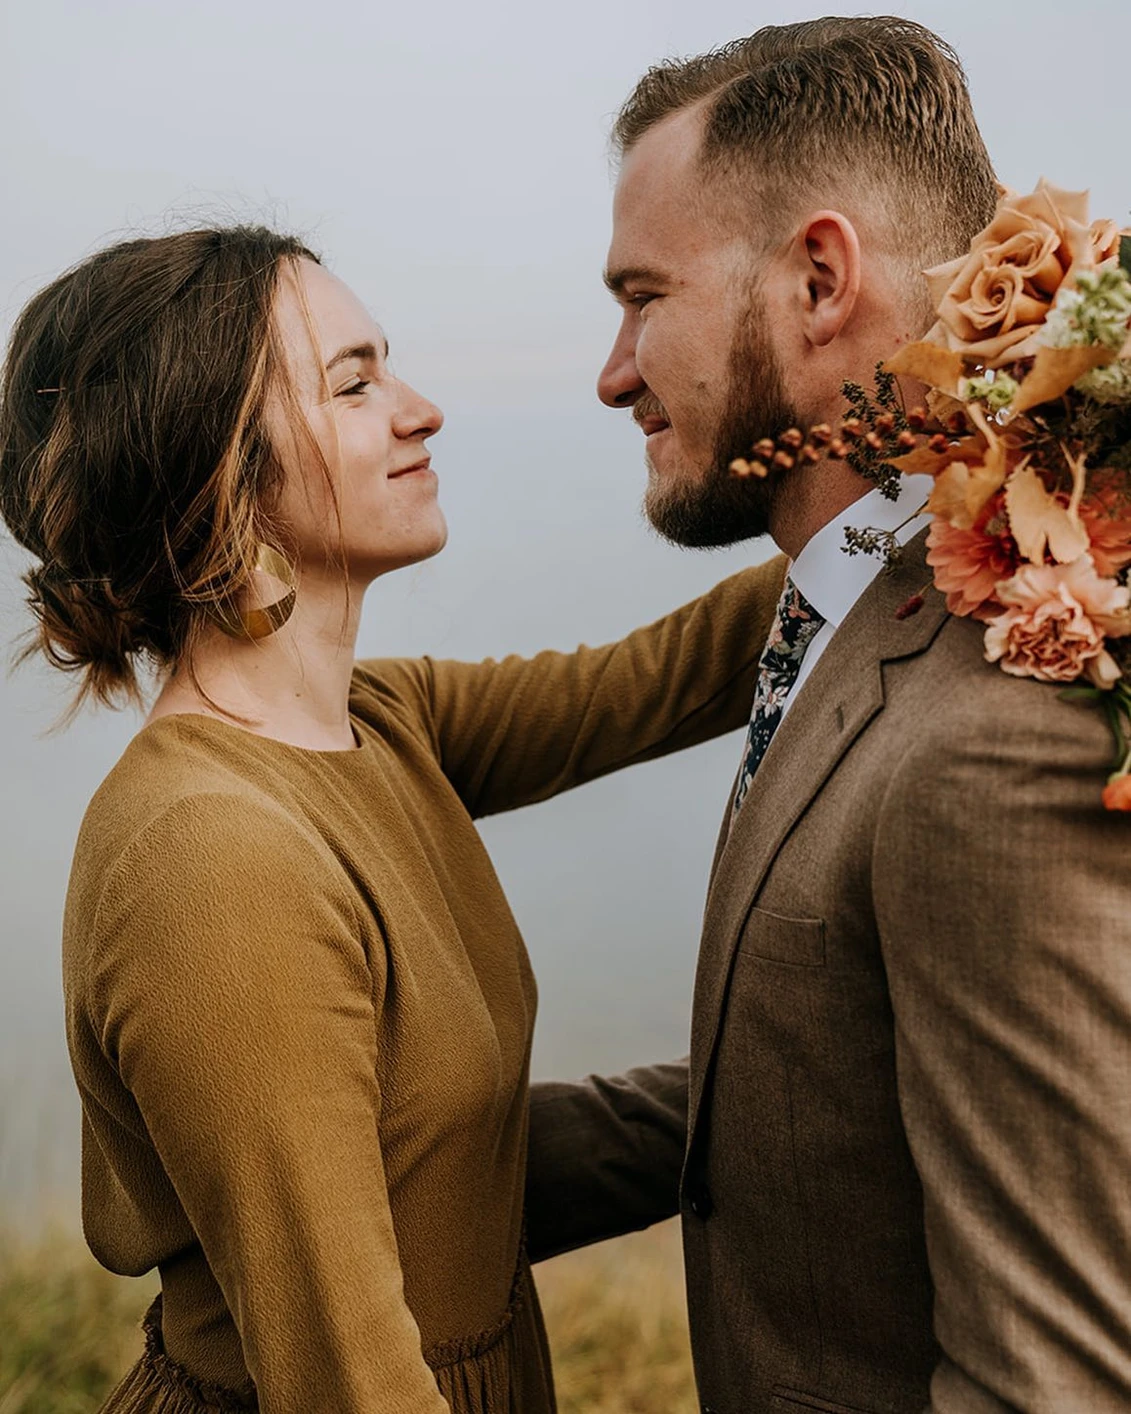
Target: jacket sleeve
pixel 605 1156
pixel 517 731
pixel 1003 895
pixel 237 1004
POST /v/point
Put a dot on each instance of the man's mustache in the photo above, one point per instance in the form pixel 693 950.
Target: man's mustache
pixel 646 406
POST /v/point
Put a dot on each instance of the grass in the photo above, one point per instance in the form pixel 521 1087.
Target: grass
pixel 615 1314
pixel 617 1321
pixel 68 1329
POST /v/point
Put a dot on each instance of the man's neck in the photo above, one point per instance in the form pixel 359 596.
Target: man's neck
pixel 805 504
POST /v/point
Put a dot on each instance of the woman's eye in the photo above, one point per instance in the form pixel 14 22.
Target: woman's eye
pixel 358 387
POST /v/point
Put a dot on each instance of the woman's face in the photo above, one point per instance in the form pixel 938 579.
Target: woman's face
pixel 370 428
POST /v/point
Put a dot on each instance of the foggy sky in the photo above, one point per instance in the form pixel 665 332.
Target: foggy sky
pixel 450 162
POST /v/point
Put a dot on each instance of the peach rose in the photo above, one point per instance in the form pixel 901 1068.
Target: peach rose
pixel 992 302
pixel 1106 236
pixel 969 564
pixel 1055 621
pixel 1117 793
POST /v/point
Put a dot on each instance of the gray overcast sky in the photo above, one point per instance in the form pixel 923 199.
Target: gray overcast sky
pixel 450 161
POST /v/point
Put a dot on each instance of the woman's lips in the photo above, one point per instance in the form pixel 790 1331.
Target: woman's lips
pixel 424 466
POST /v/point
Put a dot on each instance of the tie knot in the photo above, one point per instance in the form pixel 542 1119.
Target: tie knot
pixel 796 624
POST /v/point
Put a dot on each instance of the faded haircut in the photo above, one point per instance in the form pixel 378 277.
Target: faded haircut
pixel 874 108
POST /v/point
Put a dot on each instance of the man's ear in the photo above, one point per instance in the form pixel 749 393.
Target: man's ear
pixel 828 258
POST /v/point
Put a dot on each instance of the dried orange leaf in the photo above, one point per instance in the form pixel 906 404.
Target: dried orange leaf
pixel 923 459
pixel 1055 370
pixel 962 490
pixel 931 364
pixel 942 406
pixel 1037 519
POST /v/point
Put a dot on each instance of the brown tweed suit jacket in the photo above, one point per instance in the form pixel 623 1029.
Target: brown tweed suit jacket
pixel 907 1177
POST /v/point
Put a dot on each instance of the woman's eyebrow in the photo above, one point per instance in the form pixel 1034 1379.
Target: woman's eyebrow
pixel 358 351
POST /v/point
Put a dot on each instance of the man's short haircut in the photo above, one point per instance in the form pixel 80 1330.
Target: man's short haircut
pixel 877 106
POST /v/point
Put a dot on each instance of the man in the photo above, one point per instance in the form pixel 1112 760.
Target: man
pixel 908 1118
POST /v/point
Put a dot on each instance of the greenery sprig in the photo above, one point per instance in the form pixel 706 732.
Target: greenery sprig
pixel 884 421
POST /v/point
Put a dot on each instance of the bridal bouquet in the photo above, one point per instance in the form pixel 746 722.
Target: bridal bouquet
pixel 1027 433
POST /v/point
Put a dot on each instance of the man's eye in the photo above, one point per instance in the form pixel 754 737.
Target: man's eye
pixel 358 387
pixel 639 301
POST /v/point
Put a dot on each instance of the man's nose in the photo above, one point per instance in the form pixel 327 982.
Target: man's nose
pixel 620 384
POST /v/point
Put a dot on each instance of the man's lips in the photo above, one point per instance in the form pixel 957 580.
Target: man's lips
pixel 649 425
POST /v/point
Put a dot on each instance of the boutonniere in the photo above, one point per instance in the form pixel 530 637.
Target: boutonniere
pixel 1026 431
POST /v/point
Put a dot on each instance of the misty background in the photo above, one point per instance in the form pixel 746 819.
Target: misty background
pixel 450 162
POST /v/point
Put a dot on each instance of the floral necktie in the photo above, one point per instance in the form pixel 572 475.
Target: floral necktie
pixel 795 627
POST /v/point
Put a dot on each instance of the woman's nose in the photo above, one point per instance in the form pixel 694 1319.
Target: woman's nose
pixel 416 415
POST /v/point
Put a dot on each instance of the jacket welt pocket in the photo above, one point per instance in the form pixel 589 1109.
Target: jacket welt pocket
pixel 800 941
pixel 785 1400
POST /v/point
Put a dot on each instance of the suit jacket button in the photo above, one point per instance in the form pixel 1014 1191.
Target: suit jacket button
pixel 700 1202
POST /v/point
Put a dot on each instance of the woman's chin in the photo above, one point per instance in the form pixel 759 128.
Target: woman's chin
pixel 417 549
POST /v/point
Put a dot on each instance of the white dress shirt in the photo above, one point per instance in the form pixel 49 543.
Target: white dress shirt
pixel 832 580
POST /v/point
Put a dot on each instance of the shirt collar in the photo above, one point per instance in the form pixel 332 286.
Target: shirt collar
pixel 831 579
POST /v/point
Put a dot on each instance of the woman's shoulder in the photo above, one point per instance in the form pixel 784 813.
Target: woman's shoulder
pixel 191 830
pixel 188 786
pixel 170 760
pixel 394 695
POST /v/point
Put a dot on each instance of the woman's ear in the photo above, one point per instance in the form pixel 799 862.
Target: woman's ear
pixel 828 251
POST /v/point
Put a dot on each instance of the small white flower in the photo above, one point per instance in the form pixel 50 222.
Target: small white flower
pixel 1109 384
pixel 996 389
pixel 1097 311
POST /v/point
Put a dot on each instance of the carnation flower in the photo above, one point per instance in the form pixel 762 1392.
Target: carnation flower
pixel 969 564
pixel 1055 621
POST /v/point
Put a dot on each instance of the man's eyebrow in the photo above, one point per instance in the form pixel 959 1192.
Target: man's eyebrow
pixel 616 280
pixel 358 351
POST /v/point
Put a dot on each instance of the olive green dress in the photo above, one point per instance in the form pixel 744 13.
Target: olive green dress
pixel 300 1017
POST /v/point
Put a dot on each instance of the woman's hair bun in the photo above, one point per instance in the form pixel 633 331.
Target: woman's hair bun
pixel 135 464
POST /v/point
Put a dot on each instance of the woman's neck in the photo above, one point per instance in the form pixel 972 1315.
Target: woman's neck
pixel 292 686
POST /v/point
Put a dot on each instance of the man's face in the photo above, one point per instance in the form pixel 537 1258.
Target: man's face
pixel 694 357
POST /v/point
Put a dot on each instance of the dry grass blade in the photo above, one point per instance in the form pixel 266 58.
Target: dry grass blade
pixel 617 1320
pixel 67 1328
pixel 615 1314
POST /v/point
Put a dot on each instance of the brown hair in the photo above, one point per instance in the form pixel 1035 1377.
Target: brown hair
pixel 794 110
pixel 134 459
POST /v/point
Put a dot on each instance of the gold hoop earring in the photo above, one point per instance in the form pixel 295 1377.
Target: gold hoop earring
pixel 265 619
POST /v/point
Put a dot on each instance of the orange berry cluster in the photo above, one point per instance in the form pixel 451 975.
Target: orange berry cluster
pixel 794 447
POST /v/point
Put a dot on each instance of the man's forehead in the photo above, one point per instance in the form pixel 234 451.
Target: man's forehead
pixel 658 210
pixel 663 163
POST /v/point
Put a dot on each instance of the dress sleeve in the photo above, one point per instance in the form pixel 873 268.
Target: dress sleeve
pixel 231 989
pixel 520 730
pixel 1003 899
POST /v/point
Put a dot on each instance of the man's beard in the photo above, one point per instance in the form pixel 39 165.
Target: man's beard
pixel 721 508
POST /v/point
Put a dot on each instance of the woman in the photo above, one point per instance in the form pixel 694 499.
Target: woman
pixel 299 1009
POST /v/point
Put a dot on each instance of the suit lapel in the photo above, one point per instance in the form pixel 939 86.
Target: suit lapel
pixel 840 698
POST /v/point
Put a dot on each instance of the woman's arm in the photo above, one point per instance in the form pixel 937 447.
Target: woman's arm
pixel 228 983
pixel 514 732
